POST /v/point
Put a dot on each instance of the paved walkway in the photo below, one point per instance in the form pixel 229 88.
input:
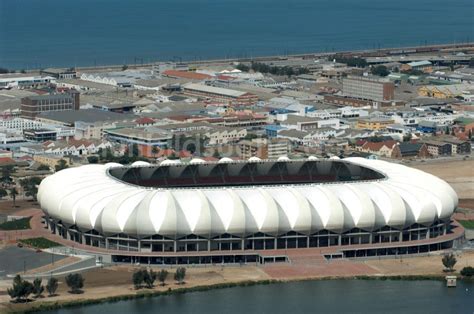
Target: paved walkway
pixel 308 262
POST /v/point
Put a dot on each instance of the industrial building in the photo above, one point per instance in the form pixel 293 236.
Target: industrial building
pixel 220 94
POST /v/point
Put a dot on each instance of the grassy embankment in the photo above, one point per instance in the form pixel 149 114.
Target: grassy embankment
pixel 19 224
pixel 468 224
pixel 39 243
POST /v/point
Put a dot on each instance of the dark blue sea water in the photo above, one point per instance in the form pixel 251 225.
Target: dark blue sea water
pixel 42 33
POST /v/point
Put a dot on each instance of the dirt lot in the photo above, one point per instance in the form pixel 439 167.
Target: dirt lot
pixel 6 206
pixel 423 265
pixel 460 174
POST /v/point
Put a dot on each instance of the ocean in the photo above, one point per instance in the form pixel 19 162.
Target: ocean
pixel 46 33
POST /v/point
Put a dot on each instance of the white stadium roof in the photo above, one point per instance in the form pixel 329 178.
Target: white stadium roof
pixel 90 198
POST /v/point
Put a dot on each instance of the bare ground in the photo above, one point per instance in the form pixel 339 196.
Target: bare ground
pixel 458 173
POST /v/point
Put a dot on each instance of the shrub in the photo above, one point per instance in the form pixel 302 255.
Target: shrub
pixel 75 282
pixel 467 271
pixel 143 276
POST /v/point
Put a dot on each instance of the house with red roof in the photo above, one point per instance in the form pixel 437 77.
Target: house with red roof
pixel 384 148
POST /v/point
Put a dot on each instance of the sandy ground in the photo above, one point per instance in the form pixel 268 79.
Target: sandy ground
pixel 422 265
pixel 459 174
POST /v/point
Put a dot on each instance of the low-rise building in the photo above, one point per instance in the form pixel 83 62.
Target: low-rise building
pixel 141 136
pixel 385 148
pixel 374 123
pixel 409 150
pixel 302 123
pixel 219 94
pixel 424 66
pixel 60 73
pixel 263 148
pixel 438 148
pixel 458 146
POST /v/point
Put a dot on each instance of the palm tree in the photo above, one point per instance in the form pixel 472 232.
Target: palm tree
pixel 13 194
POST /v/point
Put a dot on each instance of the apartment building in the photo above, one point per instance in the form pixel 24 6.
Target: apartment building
pixel 370 88
pixel 32 106
pixel 264 148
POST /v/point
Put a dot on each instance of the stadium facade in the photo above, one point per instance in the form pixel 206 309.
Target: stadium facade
pixel 175 210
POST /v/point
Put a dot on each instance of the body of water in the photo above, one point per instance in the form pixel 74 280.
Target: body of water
pixel 45 33
pixel 335 296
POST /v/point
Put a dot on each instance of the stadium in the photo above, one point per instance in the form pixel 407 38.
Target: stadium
pixel 245 211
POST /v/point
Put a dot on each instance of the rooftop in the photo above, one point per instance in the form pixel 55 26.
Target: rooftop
pixel 214 90
pixel 86 115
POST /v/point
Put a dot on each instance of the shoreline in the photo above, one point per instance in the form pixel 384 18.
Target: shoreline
pixel 314 54
pixel 144 293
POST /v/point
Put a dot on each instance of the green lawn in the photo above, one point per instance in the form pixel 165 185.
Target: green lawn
pixel 39 243
pixel 468 224
pixel 19 224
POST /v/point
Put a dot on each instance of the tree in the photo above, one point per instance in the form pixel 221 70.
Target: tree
pixel 242 67
pixel 6 174
pixel 124 67
pixel 447 131
pixel 162 275
pixel 30 186
pixel 4 71
pixel 3 193
pixel 38 288
pixel 449 260
pixel 180 274
pixel 13 193
pixel 137 278
pixel 75 282
pixel 380 70
pixel 93 159
pixel 43 167
pixel 52 286
pixel 407 137
pixel 142 276
pixel 149 278
pixel 20 290
pixel 62 164
pixel 469 134
pixel 23 71
pixel 154 151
